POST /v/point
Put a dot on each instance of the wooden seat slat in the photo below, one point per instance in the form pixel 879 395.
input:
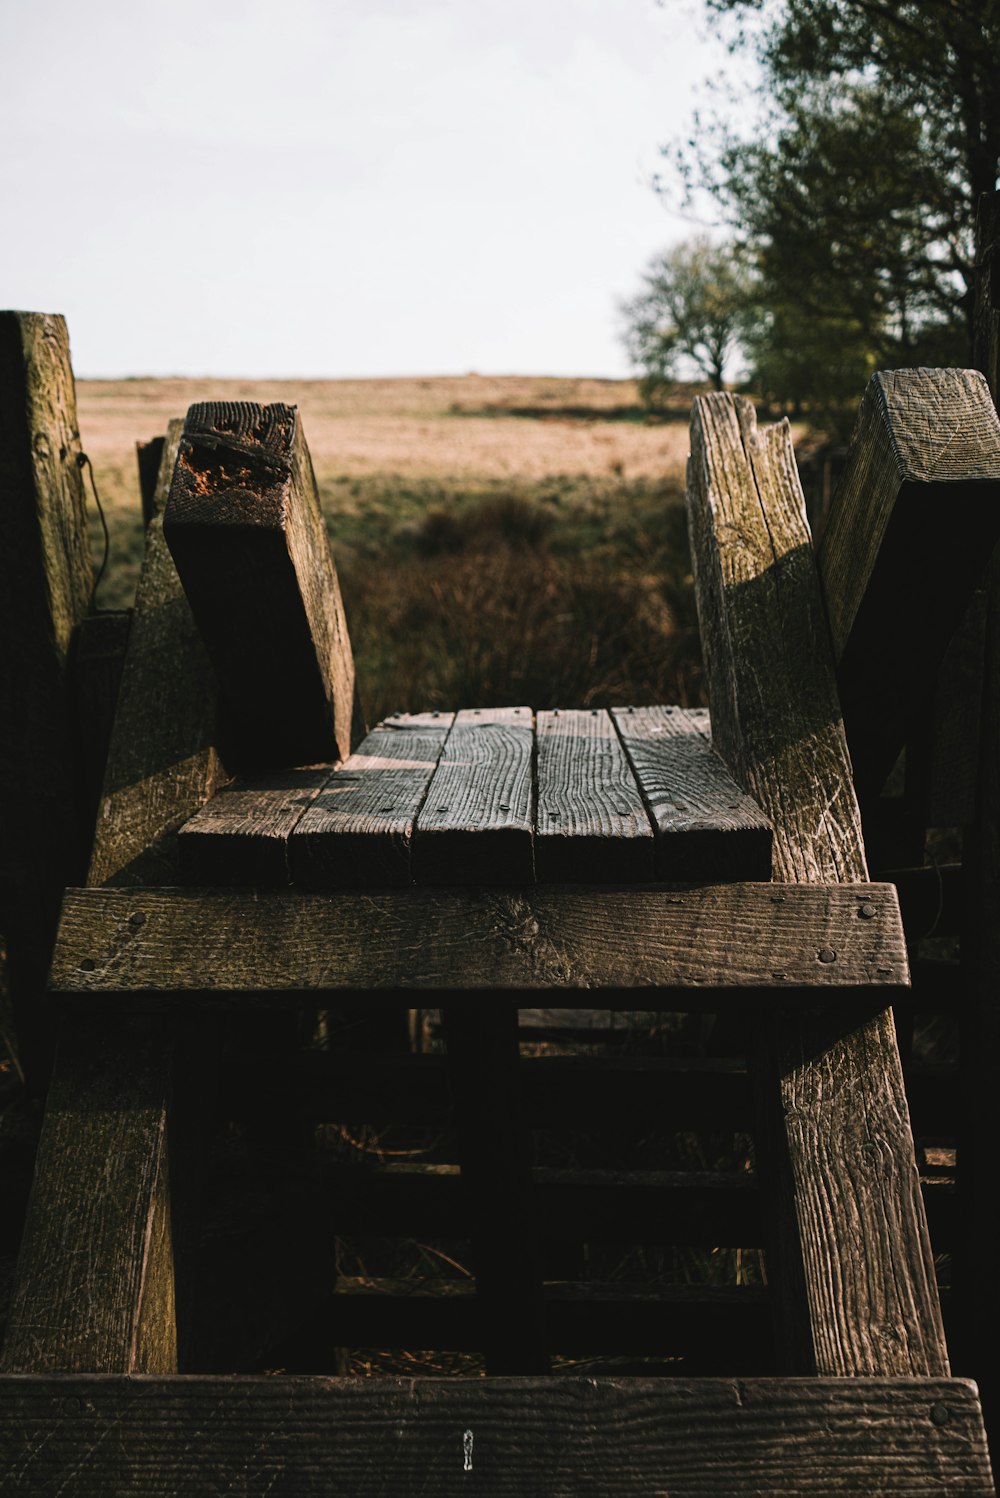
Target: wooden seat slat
pixel 595 1438
pixel 359 830
pixel 476 824
pixel 707 826
pixel 591 821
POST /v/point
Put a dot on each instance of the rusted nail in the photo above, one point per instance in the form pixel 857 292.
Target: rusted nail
pixel 88 964
pixel 866 912
pixel 940 1414
pixel 827 954
pixel 137 918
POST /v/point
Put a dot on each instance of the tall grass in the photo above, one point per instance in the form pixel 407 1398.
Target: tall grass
pixel 558 595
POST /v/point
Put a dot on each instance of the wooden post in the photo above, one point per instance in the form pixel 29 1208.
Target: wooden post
pixel 46 578
pixel 855 1273
pixel 245 528
pixel 94 1289
pixel 912 524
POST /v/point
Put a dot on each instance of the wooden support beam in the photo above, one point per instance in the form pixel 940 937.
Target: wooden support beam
pixel 789 1438
pixel 476 823
pixel 591 821
pixel 245 528
pixel 46 579
pixel 851 1256
pixel 707 827
pixel 912 524
pixel 162 762
pixel 359 830
pixel 95 1289
pixel 686 947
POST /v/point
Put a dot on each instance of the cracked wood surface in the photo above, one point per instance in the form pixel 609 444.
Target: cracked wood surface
pixel 715 937
pixel 476 824
pixel 592 1438
pixel 244 525
pixel 857 1287
pixel 591 821
pixel 359 829
pixel 706 826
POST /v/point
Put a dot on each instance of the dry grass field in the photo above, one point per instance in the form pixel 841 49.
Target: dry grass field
pixel 499 539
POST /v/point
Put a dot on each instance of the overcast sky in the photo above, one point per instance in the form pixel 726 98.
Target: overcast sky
pixel 340 187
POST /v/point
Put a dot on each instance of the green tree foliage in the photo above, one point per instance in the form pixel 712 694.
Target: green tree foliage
pixel 857 197
pixel 690 309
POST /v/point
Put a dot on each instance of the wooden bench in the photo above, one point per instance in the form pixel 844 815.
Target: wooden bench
pixel 218 927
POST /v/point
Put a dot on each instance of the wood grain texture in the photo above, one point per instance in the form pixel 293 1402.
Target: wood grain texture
pixel 476 823
pixel 94 1285
pixel 592 1438
pixel 591 822
pixel 245 528
pixel 775 712
pixel 850 1243
pixel 45 585
pixel 359 831
pixel 162 762
pixel 241 834
pixel 912 524
pixel 706 826
pixel 736 936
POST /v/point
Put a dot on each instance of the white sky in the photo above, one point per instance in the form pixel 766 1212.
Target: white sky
pixel 340 187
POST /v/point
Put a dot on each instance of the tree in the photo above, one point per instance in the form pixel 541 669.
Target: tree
pixel 856 197
pixel 690 308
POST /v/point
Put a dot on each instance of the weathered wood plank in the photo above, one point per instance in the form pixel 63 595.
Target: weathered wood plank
pixel 46 578
pixel 241 834
pixel 476 823
pixel 591 823
pixel 595 1438
pixel 359 831
pixel 162 763
pixel 495 1155
pixel 245 528
pixel 774 708
pixel 850 1247
pixel 707 827
pixel 912 524
pixel 94 1289
pixel 712 938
